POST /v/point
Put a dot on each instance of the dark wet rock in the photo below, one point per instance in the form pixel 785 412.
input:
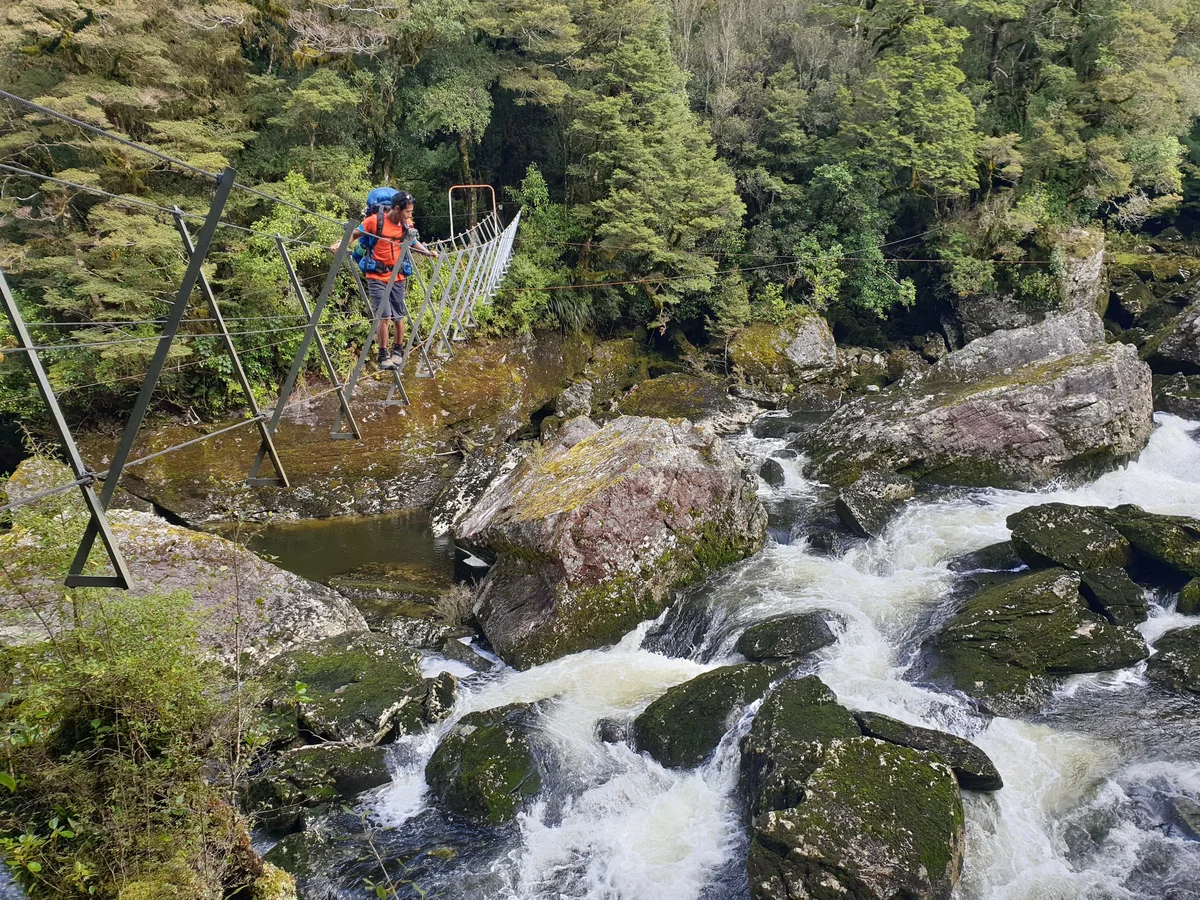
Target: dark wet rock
pixel 789 637
pixel 243 603
pixel 615 731
pixel 1176 348
pixel 1172 541
pixel 981 314
pixel 683 726
pixel 425 632
pixel 1007 641
pixel 1186 814
pixel 772 473
pixel 994 557
pixel 310 779
pixel 704 400
pixel 1189 599
pixel 791 731
pixel 1013 409
pixel 972 767
pixel 465 653
pixel 440 698
pixel 592 539
pixel 365 688
pixel 816 398
pixel 484 769
pixel 1112 593
pixel 1176 660
pixel 825 541
pixel 867 506
pixel 308 856
pixel 1058 534
pixel 1178 395
pixel 782 356
pixel 877 822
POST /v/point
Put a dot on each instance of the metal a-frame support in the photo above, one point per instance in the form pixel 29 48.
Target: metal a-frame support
pixel 214 308
pixel 96 517
pixel 191 276
pixel 310 332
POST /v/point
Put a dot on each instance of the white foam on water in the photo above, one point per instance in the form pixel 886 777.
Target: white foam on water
pixel 1062 828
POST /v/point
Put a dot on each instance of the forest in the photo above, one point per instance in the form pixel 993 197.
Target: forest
pixel 684 167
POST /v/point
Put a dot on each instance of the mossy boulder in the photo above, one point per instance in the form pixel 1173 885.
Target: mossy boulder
pixel 703 399
pixel 311 779
pixel 791 731
pixel 1013 409
pixel 777 357
pixel 971 766
pixel 365 688
pixel 1176 347
pixel 1058 534
pixel 1171 541
pixel 243 603
pixel 788 637
pixel 484 769
pixel 1112 593
pixel 1178 395
pixel 591 539
pixel 1009 640
pixel 1176 660
pixel 877 822
pixel 683 727
pixel 1189 599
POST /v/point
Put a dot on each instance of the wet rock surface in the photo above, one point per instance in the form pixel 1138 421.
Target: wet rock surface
pixel 591 539
pixel 1112 593
pixel 484 768
pixel 308 780
pixel 1172 542
pixel 1007 642
pixel 1013 409
pixel 1057 534
pixel 683 727
pixel 363 688
pixel 971 766
pixel 1178 395
pixel 788 637
pixel 867 506
pixel 1176 660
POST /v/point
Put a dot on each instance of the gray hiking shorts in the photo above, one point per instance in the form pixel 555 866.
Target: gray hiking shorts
pixel 387 307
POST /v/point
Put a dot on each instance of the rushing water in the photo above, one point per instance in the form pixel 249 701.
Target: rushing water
pixel 1084 812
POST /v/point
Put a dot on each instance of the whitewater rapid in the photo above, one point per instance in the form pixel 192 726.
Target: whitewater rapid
pixel 1081 815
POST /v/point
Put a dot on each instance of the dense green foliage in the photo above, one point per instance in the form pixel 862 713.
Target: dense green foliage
pixel 698 163
pixel 118 740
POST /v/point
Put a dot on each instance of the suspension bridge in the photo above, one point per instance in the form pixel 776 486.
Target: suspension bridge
pixel 466 270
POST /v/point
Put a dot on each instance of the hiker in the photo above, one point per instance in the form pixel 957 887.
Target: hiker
pixel 382 236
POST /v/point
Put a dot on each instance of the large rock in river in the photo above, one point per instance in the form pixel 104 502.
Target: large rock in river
pixel 1007 641
pixel 243 603
pixel 1015 408
pixel 776 356
pixel 1176 660
pixel 591 538
pixel 1074 537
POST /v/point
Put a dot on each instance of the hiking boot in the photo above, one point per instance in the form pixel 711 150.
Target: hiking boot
pixel 385 360
pixel 398 356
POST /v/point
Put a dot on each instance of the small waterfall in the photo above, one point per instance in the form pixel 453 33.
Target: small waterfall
pixel 1088 781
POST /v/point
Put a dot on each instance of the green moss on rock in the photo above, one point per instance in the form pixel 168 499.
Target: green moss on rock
pixel 788 637
pixel 1112 593
pixel 484 768
pixel 1172 541
pixel 683 726
pixel 1189 599
pixel 313 778
pixel 1176 660
pixel 1058 534
pixel 877 822
pixel 971 766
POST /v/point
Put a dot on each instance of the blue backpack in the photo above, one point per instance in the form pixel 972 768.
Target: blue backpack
pixel 379 201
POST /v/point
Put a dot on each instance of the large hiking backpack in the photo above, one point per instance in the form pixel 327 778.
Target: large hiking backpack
pixel 379 201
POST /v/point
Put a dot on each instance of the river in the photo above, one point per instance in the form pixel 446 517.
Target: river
pixel 1084 812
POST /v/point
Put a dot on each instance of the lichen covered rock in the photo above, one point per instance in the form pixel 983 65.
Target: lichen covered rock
pixel 1178 395
pixel 1007 641
pixel 1013 409
pixel 365 688
pixel 791 731
pixel 776 356
pixel 1171 541
pixel 484 768
pixel 1058 534
pixel 683 726
pixel 788 637
pixel 1176 660
pixel 877 822
pixel 972 767
pixel 591 539
pixel 1176 348
pixel 310 779
pixel 1112 593
pixel 704 400
pixel 867 506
